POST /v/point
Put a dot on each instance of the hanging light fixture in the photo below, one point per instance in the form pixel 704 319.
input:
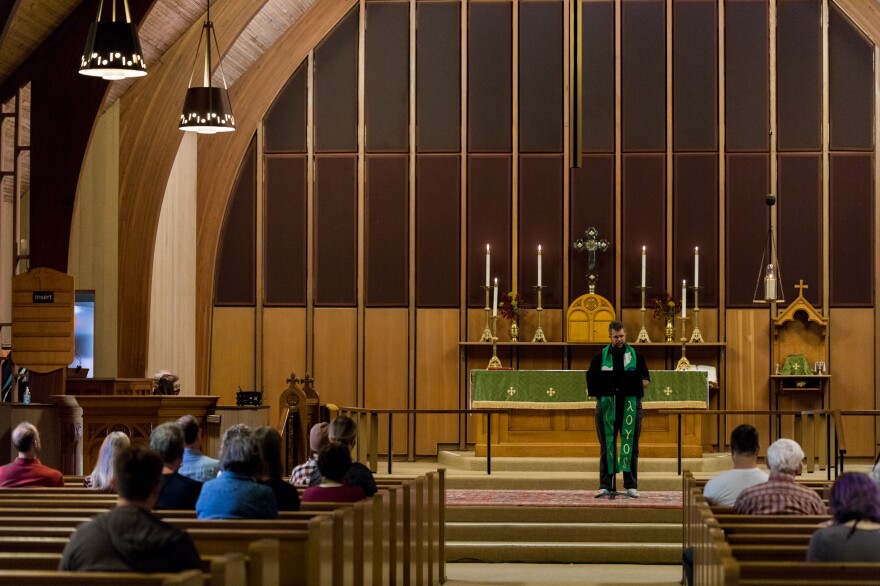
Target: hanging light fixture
pixel 206 109
pixel 769 275
pixel 113 49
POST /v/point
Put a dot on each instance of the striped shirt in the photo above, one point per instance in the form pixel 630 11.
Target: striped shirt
pixel 781 495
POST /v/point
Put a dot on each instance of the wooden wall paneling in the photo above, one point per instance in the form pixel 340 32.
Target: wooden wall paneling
pixel 361 197
pixel 260 260
pixel 599 82
pixel 643 56
pixel 551 324
pixel 514 176
pixel 747 88
pixel 232 353
pixel 386 364
pixel 644 213
pixel 748 369
pixel 386 238
pixel 540 77
pixel 800 225
pixel 851 85
pixel 437 232
pixel 799 74
pixel 236 260
pixel 310 219
pixel 618 154
pixel 286 120
pixel 488 222
pixel 465 423
pixel 746 226
pixel 592 204
pixel 489 71
pixel 285 230
pixel 386 81
pixel 852 234
pixel 336 349
pixel 826 143
pixel 436 368
pixel 336 221
pixel 852 377
pixel 336 88
pixel 540 205
pixel 284 352
pixel 438 83
pixel 412 390
pixel 695 75
pixel 695 203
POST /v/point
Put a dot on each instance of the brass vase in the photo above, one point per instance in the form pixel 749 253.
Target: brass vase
pixel 514 330
pixel 670 331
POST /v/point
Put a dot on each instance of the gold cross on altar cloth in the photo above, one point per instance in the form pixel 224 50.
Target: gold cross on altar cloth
pixel 667 391
pixel 550 392
pixel 511 391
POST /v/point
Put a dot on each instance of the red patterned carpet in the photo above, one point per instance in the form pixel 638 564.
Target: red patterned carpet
pixel 558 498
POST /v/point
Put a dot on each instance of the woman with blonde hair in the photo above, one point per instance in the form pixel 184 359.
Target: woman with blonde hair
pixel 101 478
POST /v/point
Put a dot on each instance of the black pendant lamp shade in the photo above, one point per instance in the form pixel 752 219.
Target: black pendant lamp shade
pixel 113 49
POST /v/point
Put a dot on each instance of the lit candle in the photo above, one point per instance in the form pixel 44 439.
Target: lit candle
pixel 684 299
pixel 495 301
pixel 487 265
pixel 539 265
pixel 644 261
pixel 696 266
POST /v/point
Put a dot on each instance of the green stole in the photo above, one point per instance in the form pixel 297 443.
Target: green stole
pixel 606 405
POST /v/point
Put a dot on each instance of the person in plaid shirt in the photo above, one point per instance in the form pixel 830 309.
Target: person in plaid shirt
pixel 781 494
pixel 302 474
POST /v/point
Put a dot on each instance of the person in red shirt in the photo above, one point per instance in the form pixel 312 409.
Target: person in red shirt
pixel 26 470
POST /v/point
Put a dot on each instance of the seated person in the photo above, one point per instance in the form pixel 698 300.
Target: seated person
pixel 781 495
pixel 723 489
pixel 195 464
pixel 343 429
pixel 101 478
pixel 177 492
pixel 129 538
pixel 302 474
pixel 854 535
pixel 236 494
pixel 27 470
pixel 334 461
pixel 286 495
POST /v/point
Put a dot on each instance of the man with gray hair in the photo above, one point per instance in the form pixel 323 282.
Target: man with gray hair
pixel 27 470
pixel 781 494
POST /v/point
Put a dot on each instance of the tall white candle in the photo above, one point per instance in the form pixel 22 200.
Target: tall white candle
pixel 696 266
pixel 644 261
pixel 495 301
pixel 487 265
pixel 539 265
pixel 684 299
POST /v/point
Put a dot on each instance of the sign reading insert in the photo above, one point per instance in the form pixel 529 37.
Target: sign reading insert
pixel 44 296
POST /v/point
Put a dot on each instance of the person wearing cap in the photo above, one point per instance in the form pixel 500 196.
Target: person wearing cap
pixel 302 474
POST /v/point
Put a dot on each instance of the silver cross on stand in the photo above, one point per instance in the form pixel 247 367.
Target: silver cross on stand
pixel 590 244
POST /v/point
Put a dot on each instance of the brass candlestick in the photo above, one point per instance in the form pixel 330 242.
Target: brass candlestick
pixel 494 362
pixel 487 333
pixel 643 333
pixel 539 333
pixel 696 336
pixel 683 363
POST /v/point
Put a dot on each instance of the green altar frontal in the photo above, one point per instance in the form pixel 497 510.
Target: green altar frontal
pixel 567 389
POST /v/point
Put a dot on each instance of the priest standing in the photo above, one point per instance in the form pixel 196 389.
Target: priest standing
pixel 621 415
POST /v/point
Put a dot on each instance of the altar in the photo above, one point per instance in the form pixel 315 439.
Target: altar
pixel 550 413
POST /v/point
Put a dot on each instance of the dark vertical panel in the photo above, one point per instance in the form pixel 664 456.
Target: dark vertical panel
pixel 387 234
pixel 851 68
pixel 285 122
pixel 747 68
pixel 748 182
pixel 592 205
pixel 540 222
pixel 285 231
pixel 336 231
pixel 852 230
pixel 800 225
pixel 644 221
pixel 540 77
pixel 438 77
pixel 696 223
pixel 489 77
pixel 438 230
pixel 488 217
pixel 695 76
pixel 643 75
pixel 336 87
pixel 598 90
pixel 235 282
pixel 386 76
pixel 799 74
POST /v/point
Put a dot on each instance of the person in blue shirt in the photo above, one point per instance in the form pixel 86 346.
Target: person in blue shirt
pixel 195 464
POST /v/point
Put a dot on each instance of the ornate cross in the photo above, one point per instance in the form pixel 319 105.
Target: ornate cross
pixel 801 286
pixel 591 244
pixel 511 391
pixel 667 391
pixel 550 392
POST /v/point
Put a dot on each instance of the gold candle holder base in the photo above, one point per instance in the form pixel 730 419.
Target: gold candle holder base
pixel 487 333
pixel 696 335
pixel 683 363
pixel 539 333
pixel 643 333
pixel 494 362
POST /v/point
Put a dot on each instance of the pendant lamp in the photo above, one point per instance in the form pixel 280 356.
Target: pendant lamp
pixel 206 109
pixel 768 289
pixel 113 50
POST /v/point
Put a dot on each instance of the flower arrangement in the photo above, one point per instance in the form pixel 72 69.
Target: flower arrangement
pixel 666 307
pixel 513 306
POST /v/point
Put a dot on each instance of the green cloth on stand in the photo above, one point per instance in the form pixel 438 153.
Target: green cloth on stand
pixel 796 364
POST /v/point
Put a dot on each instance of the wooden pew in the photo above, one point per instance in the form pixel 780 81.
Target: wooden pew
pixel 49 578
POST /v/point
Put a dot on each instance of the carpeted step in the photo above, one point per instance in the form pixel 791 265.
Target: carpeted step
pixel 513 514
pixel 566 532
pixel 542 481
pixel 467 461
pixel 596 553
